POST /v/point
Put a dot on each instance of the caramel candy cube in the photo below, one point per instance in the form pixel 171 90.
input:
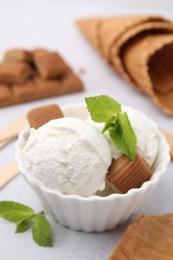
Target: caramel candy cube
pixel 126 174
pixel 49 64
pixel 41 115
pixel 14 72
pixel 18 55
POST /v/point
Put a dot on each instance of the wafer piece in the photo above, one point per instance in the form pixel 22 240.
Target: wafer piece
pixel 149 237
pixel 125 174
pixel 14 72
pixel 18 55
pixel 41 115
pixel 49 64
pixel 169 138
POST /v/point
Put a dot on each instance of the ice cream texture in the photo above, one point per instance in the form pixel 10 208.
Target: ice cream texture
pixel 68 154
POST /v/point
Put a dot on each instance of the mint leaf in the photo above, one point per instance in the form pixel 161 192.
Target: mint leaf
pixel 102 108
pixel 124 137
pixel 41 231
pixel 23 225
pixel 14 211
pixel 105 109
pixel 111 124
pixel 23 216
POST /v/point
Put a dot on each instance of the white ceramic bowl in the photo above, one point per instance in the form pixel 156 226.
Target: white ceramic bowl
pixel 93 213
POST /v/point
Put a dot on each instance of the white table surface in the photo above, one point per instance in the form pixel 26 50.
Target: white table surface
pixel 50 24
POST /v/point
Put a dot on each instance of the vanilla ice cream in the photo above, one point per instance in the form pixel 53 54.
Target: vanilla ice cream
pixel 146 132
pixel 68 154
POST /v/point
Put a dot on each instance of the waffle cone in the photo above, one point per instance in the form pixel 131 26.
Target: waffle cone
pixel 90 28
pixel 117 48
pixel 130 44
pixel 102 33
pixel 143 60
pixel 112 29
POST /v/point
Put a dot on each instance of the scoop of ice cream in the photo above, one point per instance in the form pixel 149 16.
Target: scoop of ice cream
pixel 146 133
pixel 68 154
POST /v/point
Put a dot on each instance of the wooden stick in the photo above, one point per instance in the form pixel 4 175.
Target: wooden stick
pixel 13 129
pixel 8 172
pixel 6 141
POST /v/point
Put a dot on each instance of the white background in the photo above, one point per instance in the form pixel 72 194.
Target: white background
pixel 50 24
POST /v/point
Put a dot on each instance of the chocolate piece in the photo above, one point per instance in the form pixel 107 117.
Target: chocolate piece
pixel 14 72
pixel 25 82
pixel 71 83
pixel 41 115
pixel 48 87
pixel 18 55
pixel 49 64
pixel 25 91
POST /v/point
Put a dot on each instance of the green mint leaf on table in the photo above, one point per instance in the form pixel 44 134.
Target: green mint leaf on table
pixel 41 231
pixel 105 109
pixel 102 108
pixel 23 225
pixel 14 211
pixel 24 217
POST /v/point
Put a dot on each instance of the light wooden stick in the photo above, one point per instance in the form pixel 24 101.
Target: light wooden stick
pixel 6 141
pixel 8 172
pixel 13 129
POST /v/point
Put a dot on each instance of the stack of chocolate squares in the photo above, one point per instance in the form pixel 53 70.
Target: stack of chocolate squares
pixel 31 75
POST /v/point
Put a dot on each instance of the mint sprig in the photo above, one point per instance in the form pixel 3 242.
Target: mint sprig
pixel 105 109
pixel 24 217
pixel 41 231
pixel 102 108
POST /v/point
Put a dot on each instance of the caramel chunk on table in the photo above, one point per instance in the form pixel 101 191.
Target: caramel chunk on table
pixel 14 72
